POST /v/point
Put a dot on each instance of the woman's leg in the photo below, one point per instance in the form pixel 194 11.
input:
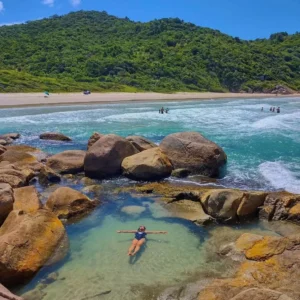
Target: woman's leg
pixel 138 246
pixel 133 245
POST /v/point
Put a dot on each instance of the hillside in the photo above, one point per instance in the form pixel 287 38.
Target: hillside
pixel 101 52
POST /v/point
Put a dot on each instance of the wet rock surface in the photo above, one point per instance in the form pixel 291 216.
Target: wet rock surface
pixel 140 143
pixel 54 136
pixel 6 201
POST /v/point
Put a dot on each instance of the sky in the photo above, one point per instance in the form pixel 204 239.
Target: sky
pixel 247 19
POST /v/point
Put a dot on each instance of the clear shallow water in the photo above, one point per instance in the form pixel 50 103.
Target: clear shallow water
pixel 98 260
pixel 263 147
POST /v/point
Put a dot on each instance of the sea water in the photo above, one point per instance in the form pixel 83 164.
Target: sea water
pixel 263 151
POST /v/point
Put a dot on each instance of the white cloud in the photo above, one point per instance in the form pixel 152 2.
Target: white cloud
pixel 10 24
pixel 48 2
pixel 75 2
pixel 1 6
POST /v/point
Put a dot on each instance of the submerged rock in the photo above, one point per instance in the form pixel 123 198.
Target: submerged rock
pixel 133 209
pixel 192 151
pixel 55 136
pixel 140 143
pixel 5 294
pixel 94 138
pixel 27 199
pixel 67 162
pixel 66 203
pixel 150 164
pixel 6 201
pixel 27 242
pixel 105 157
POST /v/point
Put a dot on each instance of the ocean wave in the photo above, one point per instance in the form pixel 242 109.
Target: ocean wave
pixel 280 176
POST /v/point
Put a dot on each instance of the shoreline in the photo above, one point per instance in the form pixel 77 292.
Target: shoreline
pixel 11 100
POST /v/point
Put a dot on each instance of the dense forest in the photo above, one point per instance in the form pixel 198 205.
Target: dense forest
pixel 97 51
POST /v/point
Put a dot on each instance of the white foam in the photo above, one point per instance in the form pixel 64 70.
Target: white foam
pixel 280 177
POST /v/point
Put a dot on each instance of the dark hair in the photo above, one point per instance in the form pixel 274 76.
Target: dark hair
pixel 139 229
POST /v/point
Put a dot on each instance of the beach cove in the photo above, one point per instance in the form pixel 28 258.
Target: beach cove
pixel 263 154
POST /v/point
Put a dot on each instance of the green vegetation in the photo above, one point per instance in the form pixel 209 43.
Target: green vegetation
pixel 93 50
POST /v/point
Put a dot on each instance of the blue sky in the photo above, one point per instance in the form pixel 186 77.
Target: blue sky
pixel 248 19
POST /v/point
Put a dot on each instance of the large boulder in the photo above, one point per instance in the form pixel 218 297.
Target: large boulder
pixel 94 138
pixel 140 143
pixel 27 242
pixel 192 151
pixel 105 157
pixel 6 201
pixel 66 203
pixel 14 176
pixel 250 203
pixel 26 199
pixel 67 162
pixel 223 204
pixel 55 136
pixel 5 294
pixel 151 164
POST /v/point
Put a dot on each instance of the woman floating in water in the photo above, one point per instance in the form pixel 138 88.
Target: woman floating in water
pixel 139 240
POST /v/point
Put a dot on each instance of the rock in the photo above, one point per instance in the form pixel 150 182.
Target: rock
pixel 104 158
pixel 87 181
pixel 140 143
pixel 5 294
pixel 133 209
pixel 189 210
pixel 13 136
pixel 95 188
pixel 260 294
pixel 6 201
pixel 2 149
pixel 250 203
pixel 3 142
pixel 27 199
pixel 54 136
pixel 94 138
pixel 27 242
pixel 151 164
pixel 15 177
pixel 47 175
pixel 190 150
pixel 66 203
pixel 223 204
pixel 181 173
pixel 67 162
pixel 281 206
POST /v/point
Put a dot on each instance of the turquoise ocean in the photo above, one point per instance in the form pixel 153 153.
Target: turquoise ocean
pixel 263 151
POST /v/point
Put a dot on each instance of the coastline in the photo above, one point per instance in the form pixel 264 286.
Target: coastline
pixel 37 99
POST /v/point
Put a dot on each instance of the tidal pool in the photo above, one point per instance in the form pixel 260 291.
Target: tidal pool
pixel 98 266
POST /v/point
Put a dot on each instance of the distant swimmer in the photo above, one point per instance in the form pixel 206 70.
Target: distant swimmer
pixel 262 109
pixel 278 110
pixel 162 110
pixel 159 111
pixel 271 108
pixel 167 110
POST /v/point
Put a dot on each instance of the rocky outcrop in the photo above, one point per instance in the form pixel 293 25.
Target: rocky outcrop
pixel 27 199
pixel 94 138
pixel 5 294
pixel 105 157
pixel 7 139
pixel 27 242
pixel 67 162
pixel 281 206
pixel 151 164
pixel 140 143
pixel 13 136
pixel 66 203
pixel 47 175
pixel 269 270
pixel 192 151
pixel 55 136
pixel 6 201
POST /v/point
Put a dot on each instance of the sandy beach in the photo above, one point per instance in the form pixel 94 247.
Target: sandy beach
pixel 34 99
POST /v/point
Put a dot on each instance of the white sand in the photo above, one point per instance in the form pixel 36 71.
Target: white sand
pixel 26 99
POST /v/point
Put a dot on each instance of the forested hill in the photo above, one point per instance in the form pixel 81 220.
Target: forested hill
pixel 89 49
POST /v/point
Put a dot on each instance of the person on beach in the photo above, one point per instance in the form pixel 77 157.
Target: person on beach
pixel 139 240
